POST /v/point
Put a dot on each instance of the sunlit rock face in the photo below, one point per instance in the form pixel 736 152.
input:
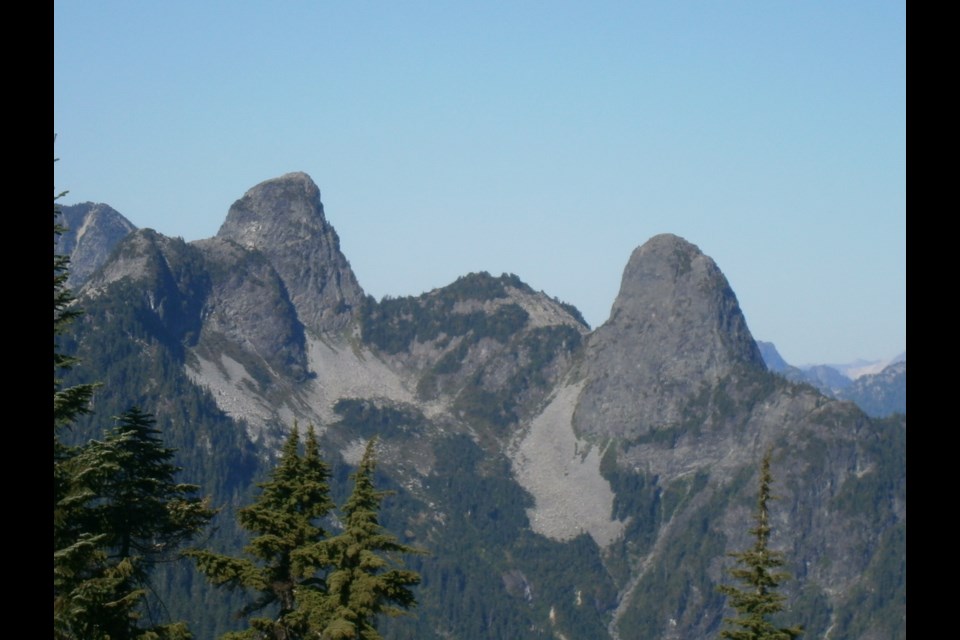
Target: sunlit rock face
pixel 283 219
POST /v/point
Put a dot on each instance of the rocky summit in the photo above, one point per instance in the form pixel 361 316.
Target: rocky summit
pixel 675 331
pixel 283 219
pixel 91 231
pixel 567 483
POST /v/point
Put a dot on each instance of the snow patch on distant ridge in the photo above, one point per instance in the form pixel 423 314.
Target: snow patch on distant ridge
pixel 858 368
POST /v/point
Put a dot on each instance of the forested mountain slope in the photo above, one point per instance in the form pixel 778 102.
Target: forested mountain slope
pixel 566 482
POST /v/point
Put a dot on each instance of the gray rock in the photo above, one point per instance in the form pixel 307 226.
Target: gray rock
pixel 675 329
pixel 644 434
pixel 283 219
pixel 91 232
pixel 248 314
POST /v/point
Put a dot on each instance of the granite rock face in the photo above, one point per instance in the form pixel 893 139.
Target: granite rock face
pixel 213 296
pixel 283 219
pixel 165 277
pixel 675 330
pixel 92 232
pixel 517 436
pixel 248 314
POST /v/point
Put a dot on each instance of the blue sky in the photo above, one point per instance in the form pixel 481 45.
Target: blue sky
pixel 546 139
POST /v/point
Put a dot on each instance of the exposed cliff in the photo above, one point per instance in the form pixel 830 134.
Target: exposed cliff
pixel 91 233
pixel 568 483
pixel 675 331
pixel 283 219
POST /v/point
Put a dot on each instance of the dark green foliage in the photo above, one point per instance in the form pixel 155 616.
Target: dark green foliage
pixel 813 606
pixel 91 596
pixel 452 360
pixel 171 310
pixel 573 311
pixel 462 593
pixel 490 507
pixel 863 494
pixel 76 554
pixel 394 323
pixel 482 286
pixel 213 449
pixel 636 499
pixel 368 418
pixel 366 579
pixel 729 400
pixel 883 606
pixel 494 410
pixel 488 575
pixel 286 520
pixel 116 507
pixel 757 599
pixel 575 595
pixel 69 402
pixel 679 583
pixel 138 516
pixel 144 512
pixel 483 396
pixel 679 586
pixel 680 492
pixel 120 340
pixel 83 581
pixel 533 352
pixel 115 338
pixel 539 347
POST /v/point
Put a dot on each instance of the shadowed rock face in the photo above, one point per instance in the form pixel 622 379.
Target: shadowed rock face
pixel 248 310
pixel 675 328
pixel 283 219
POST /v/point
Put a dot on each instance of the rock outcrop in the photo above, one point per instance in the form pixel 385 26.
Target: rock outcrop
pixel 675 330
pixel 91 232
pixel 512 434
pixel 283 219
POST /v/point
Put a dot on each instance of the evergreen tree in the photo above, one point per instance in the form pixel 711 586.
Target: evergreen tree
pixel 142 514
pixel 285 518
pixel 757 599
pixel 81 584
pixel 116 507
pixel 143 510
pixel 71 402
pixel 68 402
pixel 366 580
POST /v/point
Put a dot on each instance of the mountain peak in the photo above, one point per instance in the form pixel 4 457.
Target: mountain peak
pixel 91 232
pixel 293 198
pixel 674 330
pixel 283 218
pixel 678 297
